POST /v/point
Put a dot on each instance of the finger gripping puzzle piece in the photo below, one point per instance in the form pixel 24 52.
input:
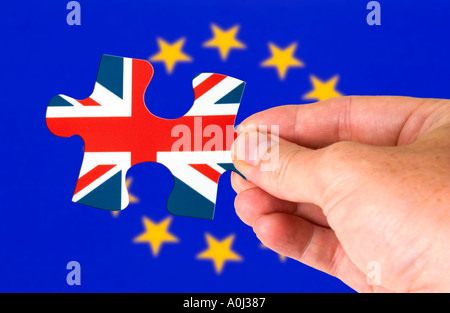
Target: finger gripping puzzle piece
pixel 119 131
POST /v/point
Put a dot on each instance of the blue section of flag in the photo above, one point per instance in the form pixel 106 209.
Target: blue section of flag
pixel 41 230
pixel 107 195
pixel 58 101
pixel 186 201
pixel 111 73
pixel 233 96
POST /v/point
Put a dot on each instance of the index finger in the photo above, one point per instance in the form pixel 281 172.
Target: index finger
pixel 383 121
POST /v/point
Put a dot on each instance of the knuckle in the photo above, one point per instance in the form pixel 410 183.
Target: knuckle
pixel 336 261
pixel 340 153
pixel 339 164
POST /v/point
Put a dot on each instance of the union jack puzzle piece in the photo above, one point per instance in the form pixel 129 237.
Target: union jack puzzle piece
pixel 119 131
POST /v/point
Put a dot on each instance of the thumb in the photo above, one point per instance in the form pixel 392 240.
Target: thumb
pixel 281 168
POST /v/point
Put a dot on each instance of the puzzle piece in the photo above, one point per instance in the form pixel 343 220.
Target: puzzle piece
pixel 119 131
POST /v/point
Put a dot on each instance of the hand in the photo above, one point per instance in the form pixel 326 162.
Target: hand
pixel 358 181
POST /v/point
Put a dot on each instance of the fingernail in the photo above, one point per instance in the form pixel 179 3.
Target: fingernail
pixel 240 129
pixel 250 147
pixel 245 128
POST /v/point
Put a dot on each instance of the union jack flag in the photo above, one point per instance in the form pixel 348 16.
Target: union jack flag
pixel 119 131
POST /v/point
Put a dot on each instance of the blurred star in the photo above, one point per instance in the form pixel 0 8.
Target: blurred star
pixel 219 251
pixel 323 90
pixel 133 198
pixel 282 59
pixel 170 54
pixel 224 40
pixel 156 234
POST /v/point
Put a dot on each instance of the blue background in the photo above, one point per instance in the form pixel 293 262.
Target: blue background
pixel 42 56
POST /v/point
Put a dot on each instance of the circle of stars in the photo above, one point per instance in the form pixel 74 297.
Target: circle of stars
pixel 282 59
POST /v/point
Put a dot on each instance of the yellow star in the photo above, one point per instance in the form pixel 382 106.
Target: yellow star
pixel 323 90
pixel 156 234
pixel 219 252
pixel 170 54
pixel 224 40
pixel 282 59
pixel 133 199
pixel 282 257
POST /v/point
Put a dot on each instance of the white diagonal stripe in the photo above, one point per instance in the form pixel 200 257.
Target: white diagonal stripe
pixel 205 104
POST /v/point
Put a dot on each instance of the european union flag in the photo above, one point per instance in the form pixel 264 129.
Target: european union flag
pixel 287 51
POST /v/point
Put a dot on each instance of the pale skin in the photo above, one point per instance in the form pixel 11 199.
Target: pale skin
pixel 358 180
